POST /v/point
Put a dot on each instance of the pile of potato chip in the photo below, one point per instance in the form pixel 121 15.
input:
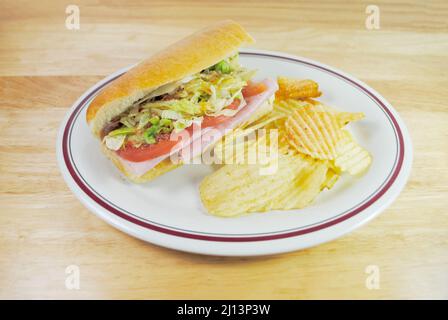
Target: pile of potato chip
pixel 307 153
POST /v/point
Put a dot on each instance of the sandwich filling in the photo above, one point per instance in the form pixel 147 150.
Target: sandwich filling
pixel 207 98
pixel 215 100
pixel 186 149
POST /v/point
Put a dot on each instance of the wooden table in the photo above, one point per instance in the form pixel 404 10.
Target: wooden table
pixel 43 228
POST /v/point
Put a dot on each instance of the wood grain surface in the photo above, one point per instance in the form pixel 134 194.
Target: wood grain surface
pixel 43 228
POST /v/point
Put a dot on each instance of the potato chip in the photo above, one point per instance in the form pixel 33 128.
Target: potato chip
pixel 242 137
pixel 304 189
pixel 285 108
pixel 343 117
pixel 351 157
pixel 234 143
pixel 314 133
pixel 296 89
pixel 331 179
pixel 238 189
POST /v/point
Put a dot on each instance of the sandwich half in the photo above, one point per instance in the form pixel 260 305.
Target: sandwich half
pixel 196 82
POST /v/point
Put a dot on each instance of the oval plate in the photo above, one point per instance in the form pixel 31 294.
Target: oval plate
pixel 168 211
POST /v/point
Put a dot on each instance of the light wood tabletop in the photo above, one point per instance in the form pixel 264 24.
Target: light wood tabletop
pixel 44 67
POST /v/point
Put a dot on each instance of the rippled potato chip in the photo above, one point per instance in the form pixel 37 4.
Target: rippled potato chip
pixel 351 157
pixel 312 127
pixel 289 88
pixel 314 133
pixel 288 106
pixel 285 108
pixel 239 140
pixel 304 189
pixel 236 189
pixel 345 118
pixel 331 179
pixel 243 137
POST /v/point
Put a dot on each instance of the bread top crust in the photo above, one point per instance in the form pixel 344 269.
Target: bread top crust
pixel 186 57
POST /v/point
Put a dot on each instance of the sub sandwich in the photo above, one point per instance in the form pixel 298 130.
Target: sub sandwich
pixel 196 82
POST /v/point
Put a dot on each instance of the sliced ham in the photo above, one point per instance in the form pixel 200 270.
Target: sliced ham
pixel 201 139
pixel 210 137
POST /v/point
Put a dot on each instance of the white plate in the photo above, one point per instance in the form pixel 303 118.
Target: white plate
pixel 168 211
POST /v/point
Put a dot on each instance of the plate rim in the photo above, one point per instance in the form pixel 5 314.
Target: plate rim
pixel 401 171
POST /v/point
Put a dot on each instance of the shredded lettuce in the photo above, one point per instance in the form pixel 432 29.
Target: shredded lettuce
pixel 170 114
pixel 232 112
pixel 182 106
pixel 181 124
pixel 143 121
pixel 114 142
pixel 121 131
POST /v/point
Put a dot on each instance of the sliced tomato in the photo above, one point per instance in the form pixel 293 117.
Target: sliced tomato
pixel 147 151
pixel 252 89
pixel 210 121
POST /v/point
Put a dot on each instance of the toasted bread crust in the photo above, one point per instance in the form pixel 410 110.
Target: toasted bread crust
pixel 188 56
